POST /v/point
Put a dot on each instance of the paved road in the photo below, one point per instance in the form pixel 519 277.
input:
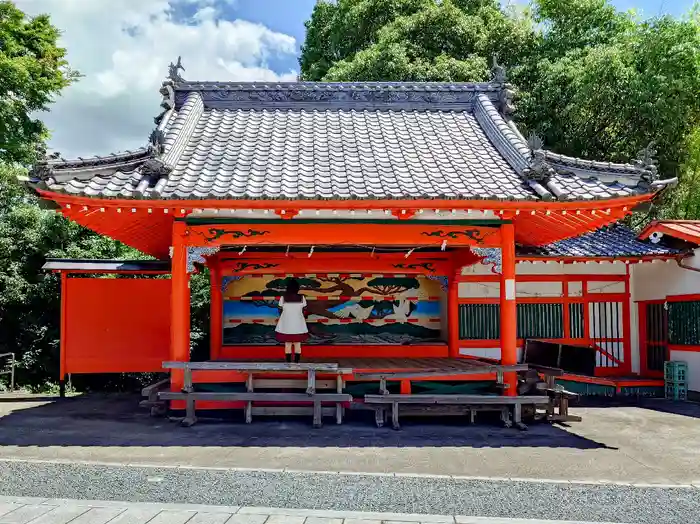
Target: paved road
pixel 354 492
pixel 21 510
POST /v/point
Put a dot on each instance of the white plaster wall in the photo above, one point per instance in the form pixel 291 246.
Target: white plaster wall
pixel 657 280
pixel 555 268
pixel 488 352
pixel 479 290
pixel 693 360
pixel 539 289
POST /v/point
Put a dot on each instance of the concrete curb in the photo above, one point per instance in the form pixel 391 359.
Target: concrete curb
pixel 354 516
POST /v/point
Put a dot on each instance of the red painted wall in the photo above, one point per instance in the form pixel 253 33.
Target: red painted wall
pixel 116 325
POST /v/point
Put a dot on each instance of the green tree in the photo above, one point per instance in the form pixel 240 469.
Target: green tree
pixel 684 203
pixel 411 40
pixel 33 70
pixel 604 85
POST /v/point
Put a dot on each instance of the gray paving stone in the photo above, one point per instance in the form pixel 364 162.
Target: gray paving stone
pixel 246 519
pixel 285 519
pixel 99 515
pixel 25 514
pixel 361 521
pixel 135 516
pixel 61 514
pixel 206 517
pixel 323 520
pixel 6 507
pixel 172 517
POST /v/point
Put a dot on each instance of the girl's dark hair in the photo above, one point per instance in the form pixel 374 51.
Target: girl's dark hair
pixel 291 294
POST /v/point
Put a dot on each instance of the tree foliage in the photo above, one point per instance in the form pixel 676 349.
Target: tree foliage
pixel 33 70
pixel 410 40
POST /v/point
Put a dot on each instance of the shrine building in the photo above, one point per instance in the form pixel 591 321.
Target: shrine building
pixel 425 230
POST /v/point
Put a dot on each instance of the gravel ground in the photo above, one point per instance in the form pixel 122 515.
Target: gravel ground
pixel 357 492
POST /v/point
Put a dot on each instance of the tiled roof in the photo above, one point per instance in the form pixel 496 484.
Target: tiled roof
pixel 687 230
pixel 338 141
pixel 609 242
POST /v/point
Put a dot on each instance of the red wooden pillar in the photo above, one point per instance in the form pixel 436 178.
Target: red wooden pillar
pixel 453 316
pixel 179 304
pixel 509 351
pixel 216 312
pixel 627 326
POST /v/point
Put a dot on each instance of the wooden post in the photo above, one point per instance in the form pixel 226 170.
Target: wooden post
pixel 509 351
pixel 216 312
pixel 62 337
pixel 627 326
pixel 179 305
pixel 453 316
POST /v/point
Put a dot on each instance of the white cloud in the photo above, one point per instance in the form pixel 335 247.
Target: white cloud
pixel 123 48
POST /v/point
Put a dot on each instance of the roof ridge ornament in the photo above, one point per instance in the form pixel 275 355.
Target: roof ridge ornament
pixel 154 167
pixel 174 71
pixel 498 72
pixel 647 163
pixel 506 94
pixel 538 169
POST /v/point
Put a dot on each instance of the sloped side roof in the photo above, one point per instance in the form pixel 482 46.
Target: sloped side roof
pixel 615 241
pixel 687 230
pixel 340 141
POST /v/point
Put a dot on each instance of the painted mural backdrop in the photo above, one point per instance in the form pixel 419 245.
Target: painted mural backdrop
pixel 341 309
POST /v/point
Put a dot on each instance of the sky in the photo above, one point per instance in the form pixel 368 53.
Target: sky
pixel 123 48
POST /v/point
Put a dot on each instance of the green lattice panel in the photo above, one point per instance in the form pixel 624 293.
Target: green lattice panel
pixel 576 320
pixel 479 321
pixel 684 323
pixel 540 320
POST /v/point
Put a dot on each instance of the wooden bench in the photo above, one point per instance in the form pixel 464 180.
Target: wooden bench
pixel 250 369
pixel 474 402
pixel 383 376
pixel 249 397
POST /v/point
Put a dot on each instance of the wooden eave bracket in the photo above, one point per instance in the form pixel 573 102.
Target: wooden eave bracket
pixel 403 214
pixel 286 214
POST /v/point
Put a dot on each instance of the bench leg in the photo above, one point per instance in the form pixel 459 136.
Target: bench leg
pixel 379 416
pixel 472 416
pixel 311 382
pixel 248 412
pixel 382 387
pixel 338 413
pixel 318 422
pixel 395 416
pixel 190 417
pixel 505 417
pixel 518 417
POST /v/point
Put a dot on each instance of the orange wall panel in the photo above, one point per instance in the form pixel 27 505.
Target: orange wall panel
pixel 116 325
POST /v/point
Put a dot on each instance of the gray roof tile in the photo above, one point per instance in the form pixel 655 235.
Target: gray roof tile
pixel 326 141
pixel 609 242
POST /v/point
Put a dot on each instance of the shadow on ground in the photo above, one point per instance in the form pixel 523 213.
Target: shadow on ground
pixel 116 420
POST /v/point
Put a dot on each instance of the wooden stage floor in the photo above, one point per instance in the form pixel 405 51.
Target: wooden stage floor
pixel 365 364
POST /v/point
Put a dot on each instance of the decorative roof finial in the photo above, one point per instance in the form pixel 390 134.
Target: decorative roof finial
pixel 538 169
pixel 498 72
pixel 156 142
pixel 174 71
pixel 534 142
pixel 646 162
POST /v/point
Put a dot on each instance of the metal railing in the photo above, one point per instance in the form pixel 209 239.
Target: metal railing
pixel 11 371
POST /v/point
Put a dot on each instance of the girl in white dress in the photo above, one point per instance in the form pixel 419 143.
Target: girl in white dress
pixel 291 326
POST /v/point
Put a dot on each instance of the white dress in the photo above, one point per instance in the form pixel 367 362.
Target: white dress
pixel 292 321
